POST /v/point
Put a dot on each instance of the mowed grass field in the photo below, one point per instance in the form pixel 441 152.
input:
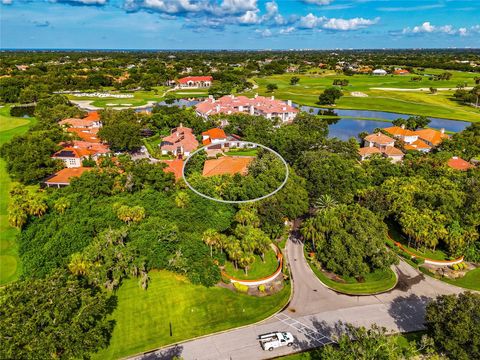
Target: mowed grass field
pixel 143 318
pixel 141 98
pixel 385 93
pixel 10 266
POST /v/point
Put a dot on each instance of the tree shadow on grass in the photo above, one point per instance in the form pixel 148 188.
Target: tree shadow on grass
pixel 166 354
pixel 408 312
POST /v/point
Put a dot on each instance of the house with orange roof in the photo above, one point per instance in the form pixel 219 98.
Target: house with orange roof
pixel 92 120
pixel 366 152
pixel 393 153
pixel 181 142
pixel 89 135
pixel 73 153
pixel 400 132
pixel 431 136
pixel 195 82
pixel 267 107
pixel 378 140
pixel 459 164
pixel 63 177
pixel 401 72
pixel 227 165
pixel 218 139
pixel 175 167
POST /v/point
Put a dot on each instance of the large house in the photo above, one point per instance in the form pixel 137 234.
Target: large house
pixel 195 82
pixel 380 143
pixel 91 121
pixel 421 140
pixel 216 137
pixel 181 142
pixel 62 178
pixel 74 152
pixel 259 105
pixel 227 165
pixel 457 163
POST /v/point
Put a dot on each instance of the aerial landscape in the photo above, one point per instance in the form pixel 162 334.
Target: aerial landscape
pixel 239 179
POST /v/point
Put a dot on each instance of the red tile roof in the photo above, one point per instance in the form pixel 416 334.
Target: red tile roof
pixel 227 165
pixel 433 136
pixel 392 151
pixel 379 138
pixel 194 78
pixel 92 116
pixel 401 72
pixel 399 131
pixel 63 176
pixel 459 164
pixel 230 104
pixel 417 145
pixel 89 135
pixel 175 167
pixel 215 133
pixel 180 136
pixel 369 151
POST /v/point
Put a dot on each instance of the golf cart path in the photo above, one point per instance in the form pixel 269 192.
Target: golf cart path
pixel 313 312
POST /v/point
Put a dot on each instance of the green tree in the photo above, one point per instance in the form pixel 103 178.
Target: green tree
pixel 294 80
pixel 271 87
pixel 453 321
pixel 329 96
pixel 122 130
pixel 53 318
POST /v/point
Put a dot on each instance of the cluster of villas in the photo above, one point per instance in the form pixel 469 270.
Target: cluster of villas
pixel 268 107
pixel 423 140
pixel 192 82
pixel 74 152
pixel 182 142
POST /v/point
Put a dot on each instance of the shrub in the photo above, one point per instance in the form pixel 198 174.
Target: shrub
pixel 455 267
pixel 240 287
pixel 21 111
pixel 261 288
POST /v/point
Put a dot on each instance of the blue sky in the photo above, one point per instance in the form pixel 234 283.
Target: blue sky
pixel 238 24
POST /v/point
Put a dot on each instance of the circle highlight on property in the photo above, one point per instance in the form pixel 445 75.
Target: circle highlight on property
pixel 235 171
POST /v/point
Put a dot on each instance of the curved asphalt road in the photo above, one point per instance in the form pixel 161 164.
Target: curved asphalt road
pixel 313 312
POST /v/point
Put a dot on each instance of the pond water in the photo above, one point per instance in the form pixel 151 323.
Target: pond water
pixel 346 128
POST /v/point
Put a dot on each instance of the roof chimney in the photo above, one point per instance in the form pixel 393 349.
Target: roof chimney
pixel 218 107
pixel 442 130
pixel 273 97
pixel 256 95
pixel 289 102
pixel 402 126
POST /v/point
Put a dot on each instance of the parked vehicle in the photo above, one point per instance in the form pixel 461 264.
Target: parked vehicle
pixel 274 340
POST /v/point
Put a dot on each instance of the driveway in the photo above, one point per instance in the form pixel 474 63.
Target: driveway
pixel 314 312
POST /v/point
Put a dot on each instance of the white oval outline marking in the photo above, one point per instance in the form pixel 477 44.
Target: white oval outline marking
pixel 236 201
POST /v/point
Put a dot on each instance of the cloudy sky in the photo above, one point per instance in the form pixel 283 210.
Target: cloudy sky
pixel 238 24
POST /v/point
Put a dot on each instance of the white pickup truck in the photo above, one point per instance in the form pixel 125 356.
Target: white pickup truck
pixel 274 340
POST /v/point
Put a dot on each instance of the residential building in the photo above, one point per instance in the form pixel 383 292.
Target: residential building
pixel 175 167
pixel 366 152
pixel 399 132
pixel 73 153
pixel 378 140
pixel 195 82
pixel 63 177
pixel 401 72
pixel 393 153
pixel 227 165
pixel 217 137
pixel 181 142
pixel 379 72
pixel 431 136
pixel 91 121
pixel 459 164
pixel 259 105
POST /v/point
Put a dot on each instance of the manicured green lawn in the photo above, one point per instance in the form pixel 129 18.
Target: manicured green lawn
pixel 143 317
pixel 10 266
pixel 258 269
pixel 442 105
pixel 376 282
pixel 251 152
pixel 437 254
pixel 470 281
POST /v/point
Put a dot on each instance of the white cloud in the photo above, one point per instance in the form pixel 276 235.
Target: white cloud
pixel 428 28
pixel 250 17
pixel 6 2
pixel 311 21
pixel 349 24
pixel 287 30
pixel 317 2
pixel 83 2
pixel 264 33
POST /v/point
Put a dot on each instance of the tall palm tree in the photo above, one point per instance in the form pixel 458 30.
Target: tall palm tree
pixel 210 237
pixel 61 205
pixel 234 252
pixel 79 265
pixel 17 217
pixel 325 202
pixel 36 206
pixel 246 260
pixel 309 231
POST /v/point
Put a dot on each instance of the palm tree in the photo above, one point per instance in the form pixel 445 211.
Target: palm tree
pixel 61 205
pixel 325 202
pixel 246 260
pixel 309 231
pixel 210 237
pixel 36 206
pixel 234 251
pixel 17 217
pixel 79 266
pixel 182 199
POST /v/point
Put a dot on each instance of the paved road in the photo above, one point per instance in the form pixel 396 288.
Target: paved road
pixel 313 312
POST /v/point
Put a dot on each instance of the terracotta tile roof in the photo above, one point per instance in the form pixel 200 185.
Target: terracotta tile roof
pixel 215 133
pixel 180 137
pixel 175 167
pixel 399 131
pixel 369 150
pixel 80 149
pixel 92 116
pixel 227 165
pixel 417 145
pixel 401 72
pixel 89 135
pixel 392 151
pixel 230 104
pixel 194 78
pixel 379 138
pixel 459 164
pixel 433 136
pixel 63 176
pixel 87 121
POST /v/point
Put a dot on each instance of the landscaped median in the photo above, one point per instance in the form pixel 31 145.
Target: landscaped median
pixel 376 282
